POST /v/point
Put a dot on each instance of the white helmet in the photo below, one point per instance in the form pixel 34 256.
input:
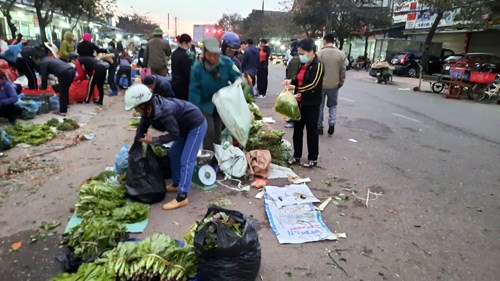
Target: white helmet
pixel 136 95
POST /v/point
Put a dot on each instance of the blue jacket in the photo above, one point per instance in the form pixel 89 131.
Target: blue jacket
pixel 11 54
pixel 203 84
pixel 163 87
pixel 174 116
pixel 250 60
pixel 8 94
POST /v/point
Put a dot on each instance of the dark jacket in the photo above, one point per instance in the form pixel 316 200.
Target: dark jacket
pixel 163 87
pixel 156 53
pixel 140 57
pixel 8 94
pixel 312 86
pixel 236 62
pixel 250 60
pixel 293 67
pixel 181 69
pixel 87 49
pixel 52 66
pixel 174 116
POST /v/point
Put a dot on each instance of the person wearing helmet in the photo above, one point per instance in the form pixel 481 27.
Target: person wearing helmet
pixel 185 126
pixel 181 67
pixel 64 73
pixel 230 45
pixel 208 76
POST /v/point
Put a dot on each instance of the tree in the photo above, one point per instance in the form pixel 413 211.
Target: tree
pixel 471 13
pixel 6 7
pixel 136 23
pixel 276 24
pixel 230 22
pixel 44 17
pixel 312 16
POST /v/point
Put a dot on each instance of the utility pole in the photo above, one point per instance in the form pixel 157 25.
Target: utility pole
pixel 175 32
pixel 262 21
pixel 168 24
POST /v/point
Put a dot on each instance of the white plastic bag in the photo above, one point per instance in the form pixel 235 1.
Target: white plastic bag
pixel 231 160
pixel 233 111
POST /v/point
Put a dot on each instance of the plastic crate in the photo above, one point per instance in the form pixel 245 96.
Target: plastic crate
pixel 43 99
pixel 482 77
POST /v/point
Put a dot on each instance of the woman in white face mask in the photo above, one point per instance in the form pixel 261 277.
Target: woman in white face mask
pixel 307 87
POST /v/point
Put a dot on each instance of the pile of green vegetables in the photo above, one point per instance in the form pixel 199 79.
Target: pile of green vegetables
pixel 272 140
pixel 134 122
pixel 156 258
pixel 104 199
pixel 93 236
pixel 65 125
pixel 221 218
pixel 30 133
pixel 255 110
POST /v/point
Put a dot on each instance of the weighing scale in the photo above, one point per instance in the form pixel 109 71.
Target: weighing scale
pixel 204 175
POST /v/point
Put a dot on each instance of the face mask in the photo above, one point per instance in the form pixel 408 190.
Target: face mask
pixel 110 48
pixel 72 64
pixel 303 58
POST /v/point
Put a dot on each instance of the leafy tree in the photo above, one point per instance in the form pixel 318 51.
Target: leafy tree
pixel 6 7
pixel 471 13
pixel 275 24
pixel 230 22
pixel 44 11
pixel 136 23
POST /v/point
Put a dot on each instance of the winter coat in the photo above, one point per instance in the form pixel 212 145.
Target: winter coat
pixel 163 87
pixel 181 69
pixel 250 60
pixel 292 67
pixel 312 85
pixel 52 66
pixel 125 59
pixel 12 52
pixel 87 49
pixel 67 45
pixel 8 94
pixel 203 84
pixel 156 53
pixel 174 116
pixel 333 60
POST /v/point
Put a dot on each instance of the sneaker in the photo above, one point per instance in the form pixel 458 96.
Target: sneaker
pixel 261 97
pixel 331 129
pixel 320 132
pixel 289 125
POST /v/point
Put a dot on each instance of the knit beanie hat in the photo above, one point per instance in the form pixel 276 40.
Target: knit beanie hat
pixel 87 37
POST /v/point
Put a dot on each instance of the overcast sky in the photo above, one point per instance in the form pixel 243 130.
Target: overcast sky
pixel 189 12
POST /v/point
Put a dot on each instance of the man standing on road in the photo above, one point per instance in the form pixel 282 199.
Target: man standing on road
pixel 263 68
pixel 333 60
pixel 157 53
pixel 250 60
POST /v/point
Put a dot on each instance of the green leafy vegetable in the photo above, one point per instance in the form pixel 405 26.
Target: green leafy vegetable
pixel 221 218
pixel 131 212
pixel 68 125
pixel 92 236
pixel 49 225
pixel 54 122
pixel 99 198
pixel 134 122
pixel 159 150
pixel 30 133
pixel 88 271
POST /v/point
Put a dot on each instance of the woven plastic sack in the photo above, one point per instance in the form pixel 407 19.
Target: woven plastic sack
pixel 233 111
pixel 287 105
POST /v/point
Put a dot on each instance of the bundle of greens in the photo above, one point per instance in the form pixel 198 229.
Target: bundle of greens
pixel 87 272
pixel 156 258
pixel 221 218
pixel 53 122
pixel 271 140
pixel 255 110
pixel 100 198
pixel 92 236
pixel 68 125
pixel 159 150
pixel 134 122
pixel 30 133
pixel 106 176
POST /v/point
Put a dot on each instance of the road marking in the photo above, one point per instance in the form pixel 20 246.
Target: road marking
pixel 406 117
pixel 404 89
pixel 346 99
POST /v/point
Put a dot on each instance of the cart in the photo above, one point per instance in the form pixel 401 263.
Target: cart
pixel 480 83
pixel 382 71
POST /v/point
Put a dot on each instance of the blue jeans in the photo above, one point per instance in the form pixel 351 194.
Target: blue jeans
pixel 183 157
pixel 331 96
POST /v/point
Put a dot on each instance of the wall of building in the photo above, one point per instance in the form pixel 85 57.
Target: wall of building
pixel 485 42
pixel 452 41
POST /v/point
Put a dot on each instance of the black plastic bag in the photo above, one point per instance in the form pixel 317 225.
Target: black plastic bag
pixel 144 181
pixel 165 167
pixel 235 258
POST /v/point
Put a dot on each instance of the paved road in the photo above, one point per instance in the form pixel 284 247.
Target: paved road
pixel 435 162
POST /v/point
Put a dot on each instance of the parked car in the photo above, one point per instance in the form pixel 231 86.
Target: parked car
pixel 483 62
pixel 406 63
pixel 449 62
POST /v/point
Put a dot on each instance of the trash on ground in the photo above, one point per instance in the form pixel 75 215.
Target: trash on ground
pixel 49 225
pixel 16 246
pixel 222 202
pixel 259 183
pixel 323 205
pixel 268 120
pixel 260 195
pixel 291 195
pixel 353 140
pixel 298 180
pixel 335 264
pixel 276 171
pixel 298 223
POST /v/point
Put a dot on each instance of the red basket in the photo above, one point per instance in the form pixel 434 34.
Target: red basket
pixel 31 92
pixel 482 77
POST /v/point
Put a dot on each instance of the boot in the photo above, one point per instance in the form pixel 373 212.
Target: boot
pixel 174 204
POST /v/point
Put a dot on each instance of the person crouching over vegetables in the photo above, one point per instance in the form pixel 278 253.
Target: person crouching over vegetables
pixel 185 126
pixel 307 86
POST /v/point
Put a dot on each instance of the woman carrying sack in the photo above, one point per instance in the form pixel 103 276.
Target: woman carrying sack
pixel 185 126
pixel 307 86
